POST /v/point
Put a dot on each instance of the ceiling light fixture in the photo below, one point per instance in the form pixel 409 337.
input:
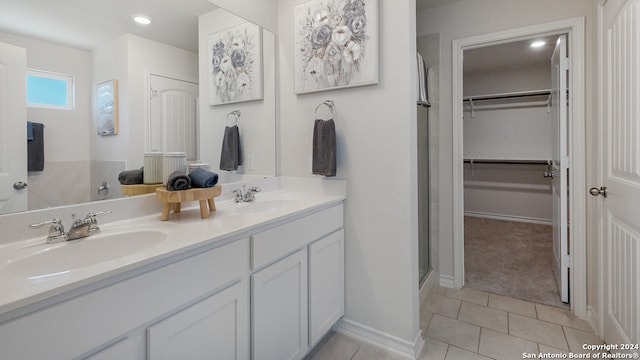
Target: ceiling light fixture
pixel 537 44
pixel 142 19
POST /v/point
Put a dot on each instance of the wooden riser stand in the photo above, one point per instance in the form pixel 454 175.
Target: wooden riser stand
pixel 171 200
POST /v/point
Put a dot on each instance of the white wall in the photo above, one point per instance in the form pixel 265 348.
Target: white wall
pixel 376 130
pixel 61 125
pixel 257 124
pixel 129 59
pixel 467 18
pixel 263 12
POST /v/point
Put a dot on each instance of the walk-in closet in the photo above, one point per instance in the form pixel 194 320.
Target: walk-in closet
pixel 515 177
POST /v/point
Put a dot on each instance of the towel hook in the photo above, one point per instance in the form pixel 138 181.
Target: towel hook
pixel 236 116
pixel 328 103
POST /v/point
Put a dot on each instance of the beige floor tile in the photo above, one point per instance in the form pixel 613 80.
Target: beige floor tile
pixel 551 350
pixel 470 295
pixel 512 305
pixel 433 350
pixel 369 352
pixel 454 332
pixel 425 318
pixel 456 353
pixel 504 347
pixel 539 331
pixel 336 347
pixel 439 304
pixel 484 317
pixel 437 289
pixel 561 317
pixel 577 338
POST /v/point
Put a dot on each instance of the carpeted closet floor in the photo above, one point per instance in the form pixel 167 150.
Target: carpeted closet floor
pixel 510 258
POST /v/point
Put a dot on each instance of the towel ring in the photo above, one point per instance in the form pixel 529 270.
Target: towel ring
pixel 236 116
pixel 327 103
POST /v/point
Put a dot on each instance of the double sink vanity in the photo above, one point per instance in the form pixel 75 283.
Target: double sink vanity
pixel 256 280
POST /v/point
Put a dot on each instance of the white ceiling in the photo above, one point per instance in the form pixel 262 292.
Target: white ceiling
pixel 88 23
pixel 508 55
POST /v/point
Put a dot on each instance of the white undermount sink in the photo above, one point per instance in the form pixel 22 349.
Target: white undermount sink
pixel 51 261
pixel 266 205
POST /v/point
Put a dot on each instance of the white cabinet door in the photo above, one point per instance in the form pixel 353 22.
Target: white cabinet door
pixel 326 284
pixel 214 328
pixel 280 309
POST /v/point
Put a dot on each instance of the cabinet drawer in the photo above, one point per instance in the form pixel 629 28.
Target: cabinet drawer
pixel 275 243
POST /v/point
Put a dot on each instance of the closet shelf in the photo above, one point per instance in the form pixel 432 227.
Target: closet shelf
pixel 516 97
pixel 508 161
pixel 509 95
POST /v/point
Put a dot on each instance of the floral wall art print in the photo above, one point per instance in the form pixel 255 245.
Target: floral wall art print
pixel 336 44
pixel 235 64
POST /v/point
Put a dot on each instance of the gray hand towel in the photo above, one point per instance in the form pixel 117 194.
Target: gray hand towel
pixel 178 181
pixel 230 156
pixel 35 148
pixel 131 177
pixel 201 178
pixel 324 148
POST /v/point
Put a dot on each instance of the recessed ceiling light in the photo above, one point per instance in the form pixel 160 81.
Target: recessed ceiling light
pixel 142 19
pixel 537 44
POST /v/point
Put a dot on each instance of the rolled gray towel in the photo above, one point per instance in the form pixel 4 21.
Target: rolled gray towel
pixel 131 177
pixel 178 181
pixel 202 178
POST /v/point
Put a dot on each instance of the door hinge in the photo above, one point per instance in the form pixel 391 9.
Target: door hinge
pixel 565 162
pixel 566 63
pixel 566 259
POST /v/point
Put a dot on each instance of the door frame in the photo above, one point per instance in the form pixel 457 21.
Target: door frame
pixel 575 30
pixel 147 105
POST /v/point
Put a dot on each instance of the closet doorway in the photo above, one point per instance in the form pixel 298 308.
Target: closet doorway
pixel 514 168
pixel 512 126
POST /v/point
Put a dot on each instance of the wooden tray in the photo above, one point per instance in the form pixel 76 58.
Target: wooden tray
pixel 141 189
pixel 173 199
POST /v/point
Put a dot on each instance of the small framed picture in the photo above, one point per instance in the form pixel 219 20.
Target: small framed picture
pixel 107 104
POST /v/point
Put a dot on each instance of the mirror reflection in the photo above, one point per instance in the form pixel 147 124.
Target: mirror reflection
pixel 164 80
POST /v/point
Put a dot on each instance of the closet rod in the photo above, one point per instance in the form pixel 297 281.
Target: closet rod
pixel 497 161
pixel 518 94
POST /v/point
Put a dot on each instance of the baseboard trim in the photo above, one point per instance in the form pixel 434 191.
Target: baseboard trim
pixel 404 348
pixel 426 286
pixel 523 219
pixel 594 320
pixel 447 281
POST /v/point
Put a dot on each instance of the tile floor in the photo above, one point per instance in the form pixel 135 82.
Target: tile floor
pixel 471 324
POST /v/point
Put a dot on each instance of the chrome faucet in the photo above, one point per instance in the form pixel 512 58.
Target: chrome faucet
pixel 248 196
pixel 80 228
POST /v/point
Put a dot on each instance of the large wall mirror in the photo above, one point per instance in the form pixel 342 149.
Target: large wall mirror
pixel 98 43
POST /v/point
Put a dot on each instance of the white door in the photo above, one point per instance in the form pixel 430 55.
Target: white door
pixel 210 329
pixel 173 123
pixel 13 128
pixel 326 285
pixel 559 69
pixel 620 171
pixel 280 310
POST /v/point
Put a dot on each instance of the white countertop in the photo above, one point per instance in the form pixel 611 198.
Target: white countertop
pixel 185 231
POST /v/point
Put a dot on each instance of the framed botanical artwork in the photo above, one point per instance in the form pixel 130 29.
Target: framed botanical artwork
pixel 235 64
pixel 107 105
pixel 336 44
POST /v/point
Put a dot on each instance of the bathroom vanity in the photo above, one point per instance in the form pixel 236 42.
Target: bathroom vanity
pixel 260 280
